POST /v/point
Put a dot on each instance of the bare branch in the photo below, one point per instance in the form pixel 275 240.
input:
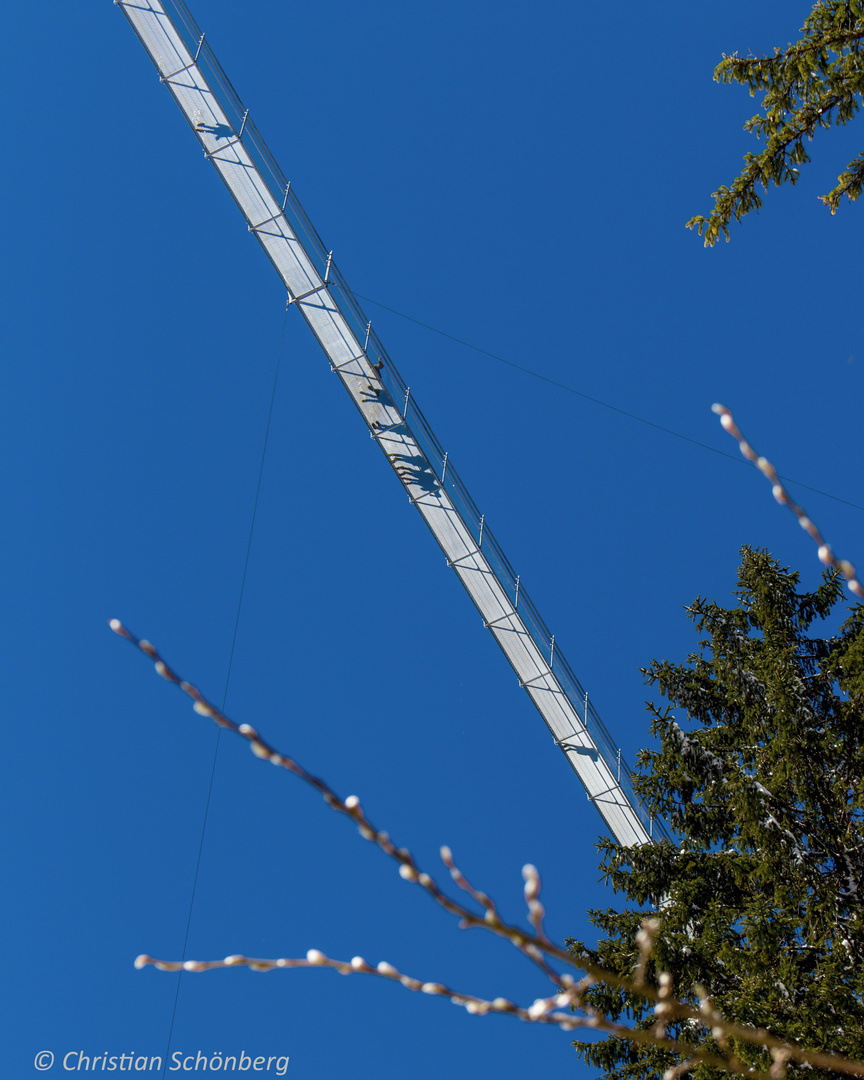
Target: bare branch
pixel 541 1011
pixel 782 496
pixel 408 869
pixel 534 945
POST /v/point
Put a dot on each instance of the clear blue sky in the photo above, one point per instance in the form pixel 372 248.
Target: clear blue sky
pixel 518 177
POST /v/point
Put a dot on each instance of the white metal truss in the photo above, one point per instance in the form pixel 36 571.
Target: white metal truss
pixel 317 290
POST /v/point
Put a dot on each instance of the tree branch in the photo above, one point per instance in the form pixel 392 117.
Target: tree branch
pixel 535 946
pixel 826 556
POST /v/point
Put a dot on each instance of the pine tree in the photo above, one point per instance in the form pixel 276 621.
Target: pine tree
pixel 760 896
pixel 809 85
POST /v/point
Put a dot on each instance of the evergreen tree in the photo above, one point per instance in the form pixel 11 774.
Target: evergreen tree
pixel 760 896
pixel 809 85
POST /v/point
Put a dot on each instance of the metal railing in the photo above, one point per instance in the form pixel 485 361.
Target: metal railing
pixel 438 459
